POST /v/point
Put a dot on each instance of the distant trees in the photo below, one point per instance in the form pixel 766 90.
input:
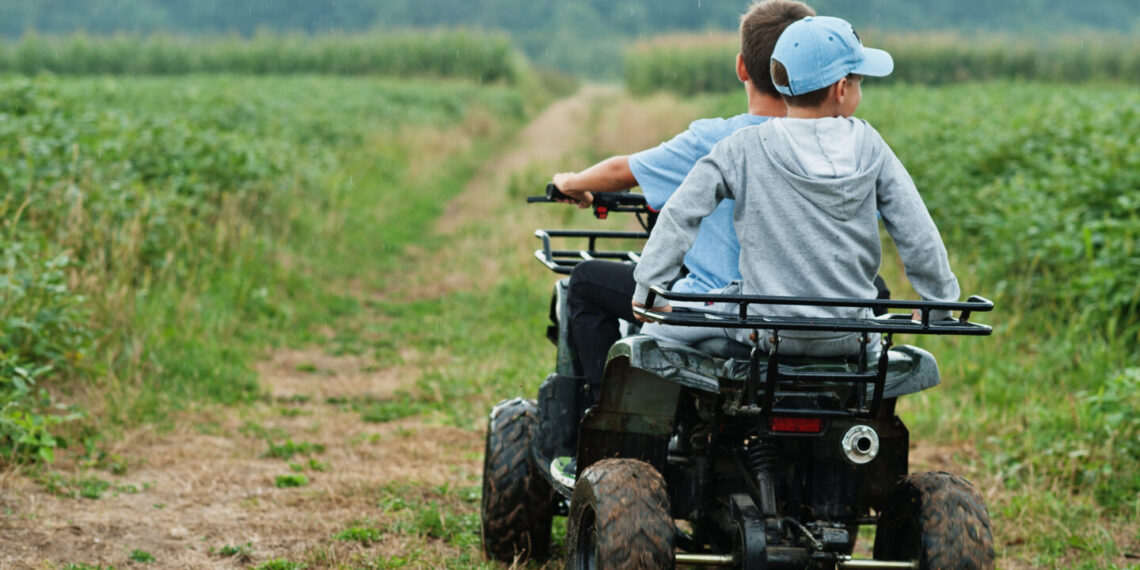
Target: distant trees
pixel 576 34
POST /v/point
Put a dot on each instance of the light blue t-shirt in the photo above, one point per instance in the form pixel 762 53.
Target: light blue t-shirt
pixel 713 259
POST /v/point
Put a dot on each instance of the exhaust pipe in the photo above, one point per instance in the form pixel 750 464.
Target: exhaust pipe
pixel 860 444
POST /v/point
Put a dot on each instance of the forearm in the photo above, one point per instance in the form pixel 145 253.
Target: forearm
pixel 610 175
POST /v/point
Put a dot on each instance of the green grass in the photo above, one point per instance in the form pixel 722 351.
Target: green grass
pixel 291 480
pixel 141 556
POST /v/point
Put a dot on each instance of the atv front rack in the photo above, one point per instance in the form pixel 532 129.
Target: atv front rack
pixel 563 260
pixel 776 388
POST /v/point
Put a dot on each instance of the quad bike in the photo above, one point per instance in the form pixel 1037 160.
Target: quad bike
pixel 726 456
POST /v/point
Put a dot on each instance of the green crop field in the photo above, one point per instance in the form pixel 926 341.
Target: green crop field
pixel 695 64
pixel 157 232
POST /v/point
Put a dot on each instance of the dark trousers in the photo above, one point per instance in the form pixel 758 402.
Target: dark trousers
pixel 599 294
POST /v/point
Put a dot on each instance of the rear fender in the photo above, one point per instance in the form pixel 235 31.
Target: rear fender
pixel 642 383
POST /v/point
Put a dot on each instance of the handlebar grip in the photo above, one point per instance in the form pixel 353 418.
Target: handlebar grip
pixel 553 193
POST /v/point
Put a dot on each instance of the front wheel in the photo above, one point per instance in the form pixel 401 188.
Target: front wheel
pixel 619 518
pixel 938 519
pixel 518 502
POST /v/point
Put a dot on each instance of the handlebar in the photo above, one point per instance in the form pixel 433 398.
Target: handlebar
pixel 604 203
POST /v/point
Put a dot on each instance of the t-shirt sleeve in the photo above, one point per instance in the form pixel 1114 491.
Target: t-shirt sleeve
pixel 660 170
pixel 704 188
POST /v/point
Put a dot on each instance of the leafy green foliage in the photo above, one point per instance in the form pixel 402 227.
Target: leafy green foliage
pixel 360 532
pixel 142 556
pixel 1037 185
pixel 289 448
pixel 43 330
pixel 291 480
pixel 75 487
pixel 241 552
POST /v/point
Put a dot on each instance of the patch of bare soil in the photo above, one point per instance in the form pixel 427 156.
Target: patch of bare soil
pixel 211 483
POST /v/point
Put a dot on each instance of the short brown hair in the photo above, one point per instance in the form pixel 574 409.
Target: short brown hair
pixel 809 99
pixel 760 27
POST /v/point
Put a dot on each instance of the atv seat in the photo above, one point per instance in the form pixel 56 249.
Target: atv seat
pixel 910 369
pixel 721 347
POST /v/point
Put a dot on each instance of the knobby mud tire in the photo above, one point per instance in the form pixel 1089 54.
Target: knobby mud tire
pixel 620 519
pixel 940 520
pixel 518 503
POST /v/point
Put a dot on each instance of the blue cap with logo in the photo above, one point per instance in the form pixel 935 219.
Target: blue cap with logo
pixel 818 51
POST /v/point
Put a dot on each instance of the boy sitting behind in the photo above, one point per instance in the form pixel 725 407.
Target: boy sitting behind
pixel 807 188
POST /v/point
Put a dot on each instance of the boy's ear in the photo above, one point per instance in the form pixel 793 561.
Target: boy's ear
pixel 741 70
pixel 840 88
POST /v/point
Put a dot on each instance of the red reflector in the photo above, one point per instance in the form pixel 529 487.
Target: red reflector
pixel 602 213
pixel 796 425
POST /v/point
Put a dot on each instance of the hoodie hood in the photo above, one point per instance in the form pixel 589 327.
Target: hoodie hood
pixel 825 160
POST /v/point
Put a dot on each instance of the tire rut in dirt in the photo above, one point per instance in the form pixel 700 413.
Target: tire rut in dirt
pixel 620 519
pixel 939 519
pixel 517 507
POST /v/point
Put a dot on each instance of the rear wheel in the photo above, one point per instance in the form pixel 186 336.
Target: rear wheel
pixel 619 518
pixel 938 519
pixel 518 502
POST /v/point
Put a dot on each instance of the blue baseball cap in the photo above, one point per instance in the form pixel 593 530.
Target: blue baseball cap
pixel 819 50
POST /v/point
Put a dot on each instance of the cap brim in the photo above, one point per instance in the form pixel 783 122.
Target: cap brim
pixel 876 63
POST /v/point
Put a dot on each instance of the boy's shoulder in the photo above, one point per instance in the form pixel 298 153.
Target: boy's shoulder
pixel 716 128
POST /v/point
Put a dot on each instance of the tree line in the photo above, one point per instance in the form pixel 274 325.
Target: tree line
pixel 579 35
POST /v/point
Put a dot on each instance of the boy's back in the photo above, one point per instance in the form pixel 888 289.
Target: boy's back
pixel 808 189
pixel 806 212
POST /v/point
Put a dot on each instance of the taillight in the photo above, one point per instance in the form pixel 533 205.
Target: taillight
pixel 795 425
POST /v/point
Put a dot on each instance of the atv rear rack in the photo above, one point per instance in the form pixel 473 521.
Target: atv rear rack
pixel 889 323
pixel 778 386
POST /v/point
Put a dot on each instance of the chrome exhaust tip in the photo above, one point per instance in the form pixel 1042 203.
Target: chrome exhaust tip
pixel 860 444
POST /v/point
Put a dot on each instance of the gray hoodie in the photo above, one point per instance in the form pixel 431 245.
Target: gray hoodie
pixel 807 192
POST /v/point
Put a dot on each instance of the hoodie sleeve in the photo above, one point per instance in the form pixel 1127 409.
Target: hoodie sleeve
pixel 909 224
pixel 703 189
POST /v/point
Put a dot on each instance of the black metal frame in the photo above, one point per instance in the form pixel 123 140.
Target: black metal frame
pixel 892 323
pixel 769 386
pixel 562 261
